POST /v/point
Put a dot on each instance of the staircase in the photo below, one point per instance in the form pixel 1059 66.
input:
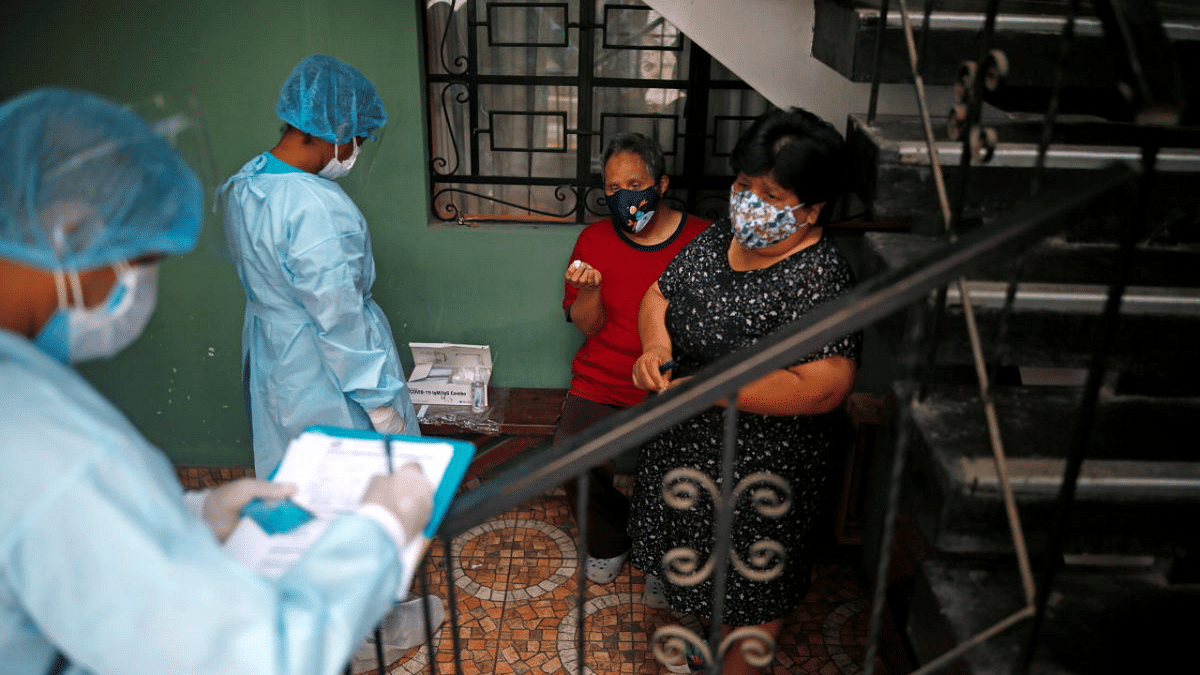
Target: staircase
pixel 1028 33
pixel 1103 467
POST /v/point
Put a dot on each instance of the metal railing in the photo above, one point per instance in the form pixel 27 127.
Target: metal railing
pixel 1048 210
pixel 1135 30
pixel 872 300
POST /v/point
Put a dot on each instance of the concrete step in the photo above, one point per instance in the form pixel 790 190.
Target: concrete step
pixel 1057 310
pixel 892 172
pixel 1119 618
pixel 1138 493
pixel 1057 260
pixel 1028 32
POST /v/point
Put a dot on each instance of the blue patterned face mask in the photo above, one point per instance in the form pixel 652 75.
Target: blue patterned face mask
pixel 632 209
pixel 757 224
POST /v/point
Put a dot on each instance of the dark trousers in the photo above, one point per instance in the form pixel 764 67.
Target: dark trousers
pixel 607 507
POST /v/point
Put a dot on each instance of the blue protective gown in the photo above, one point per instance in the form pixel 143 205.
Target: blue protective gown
pixel 100 558
pixel 319 349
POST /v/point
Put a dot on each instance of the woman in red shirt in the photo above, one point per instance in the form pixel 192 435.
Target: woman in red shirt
pixel 612 265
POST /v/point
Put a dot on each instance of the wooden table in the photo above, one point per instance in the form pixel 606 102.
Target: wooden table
pixel 516 419
pixel 513 411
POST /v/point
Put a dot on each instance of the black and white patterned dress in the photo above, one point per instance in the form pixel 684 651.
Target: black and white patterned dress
pixel 713 311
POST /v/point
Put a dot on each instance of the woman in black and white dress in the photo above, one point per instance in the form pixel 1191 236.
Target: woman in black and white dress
pixel 764 267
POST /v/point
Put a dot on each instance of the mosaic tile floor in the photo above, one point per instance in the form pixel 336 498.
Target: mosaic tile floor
pixel 515 587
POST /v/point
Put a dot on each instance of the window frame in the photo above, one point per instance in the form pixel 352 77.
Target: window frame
pixel 692 189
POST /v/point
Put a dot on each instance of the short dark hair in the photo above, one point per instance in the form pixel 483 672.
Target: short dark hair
pixel 801 151
pixel 647 148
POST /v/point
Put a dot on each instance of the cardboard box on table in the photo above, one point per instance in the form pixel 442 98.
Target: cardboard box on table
pixel 443 373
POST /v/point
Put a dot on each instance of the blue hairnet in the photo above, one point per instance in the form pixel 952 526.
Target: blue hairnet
pixel 331 100
pixel 85 183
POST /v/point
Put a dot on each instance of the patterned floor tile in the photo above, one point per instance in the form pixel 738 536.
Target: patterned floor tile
pixel 515 587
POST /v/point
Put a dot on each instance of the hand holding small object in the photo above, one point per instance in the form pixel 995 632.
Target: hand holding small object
pixel 583 276
pixel 649 371
pixel 223 505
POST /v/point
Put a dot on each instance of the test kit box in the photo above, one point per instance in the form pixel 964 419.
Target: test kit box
pixel 450 374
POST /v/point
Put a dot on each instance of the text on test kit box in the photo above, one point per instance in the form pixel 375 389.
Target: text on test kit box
pixel 443 372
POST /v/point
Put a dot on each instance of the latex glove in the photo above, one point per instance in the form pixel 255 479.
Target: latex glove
pixel 387 420
pixel 223 504
pixel 406 494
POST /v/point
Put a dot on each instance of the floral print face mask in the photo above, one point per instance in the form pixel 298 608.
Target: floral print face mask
pixel 757 224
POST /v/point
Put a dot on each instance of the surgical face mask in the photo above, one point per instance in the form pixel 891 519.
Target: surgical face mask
pixel 334 168
pixel 633 209
pixel 74 334
pixel 757 224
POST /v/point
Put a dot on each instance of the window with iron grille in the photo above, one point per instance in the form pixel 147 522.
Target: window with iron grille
pixel 522 97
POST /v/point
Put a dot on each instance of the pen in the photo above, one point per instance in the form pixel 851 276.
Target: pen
pixel 662 369
pixel 387 449
pixel 387 453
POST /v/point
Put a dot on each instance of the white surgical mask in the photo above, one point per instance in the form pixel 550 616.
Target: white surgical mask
pixel 334 168
pixel 74 334
pixel 757 224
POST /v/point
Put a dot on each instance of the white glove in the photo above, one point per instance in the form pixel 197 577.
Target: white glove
pixel 387 420
pixel 223 504
pixel 406 494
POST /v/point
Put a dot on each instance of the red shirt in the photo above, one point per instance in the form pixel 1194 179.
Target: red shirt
pixel 602 370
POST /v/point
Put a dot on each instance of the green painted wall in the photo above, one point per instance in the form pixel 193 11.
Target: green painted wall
pixel 180 383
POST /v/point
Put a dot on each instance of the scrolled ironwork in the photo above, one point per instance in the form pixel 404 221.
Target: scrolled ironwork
pixel 464 96
pixel 766 560
pixel 983 143
pixel 770 494
pixel 562 192
pixel 757 648
pixel 956 122
pixel 461 61
pixel 670 645
pixel 455 213
pixel 995 69
pixel 683 568
pixel 468 64
pixel 681 488
pixel 968 71
pixel 595 201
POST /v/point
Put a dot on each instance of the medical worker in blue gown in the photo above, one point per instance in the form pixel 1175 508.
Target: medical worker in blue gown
pixel 318 349
pixel 106 565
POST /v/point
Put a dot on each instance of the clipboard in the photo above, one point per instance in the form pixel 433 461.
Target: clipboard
pixel 331 467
